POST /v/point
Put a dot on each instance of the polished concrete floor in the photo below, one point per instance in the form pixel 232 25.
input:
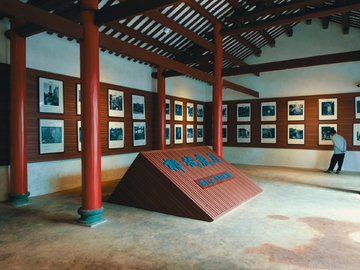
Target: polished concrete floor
pixel 304 219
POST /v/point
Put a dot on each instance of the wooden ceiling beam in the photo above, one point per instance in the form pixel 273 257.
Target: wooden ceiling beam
pixel 202 11
pixel 345 21
pixel 239 88
pixel 252 47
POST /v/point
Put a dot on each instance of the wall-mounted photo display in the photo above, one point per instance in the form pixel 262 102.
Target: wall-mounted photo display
pixel 296 110
pixel 51 96
pixel 296 134
pixel 324 133
pixel 138 107
pixel 328 109
pixel 268 111
pixel 200 113
pixel 189 133
pixel 178 110
pixel 51 136
pixel 116 135
pixel 116 103
pixel 78 99
pixel 78 125
pixel 167 133
pixel 199 133
pixel 243 133
pixel 268 133
pixel 178 134
pixel 189 112
pixel 244 112
pixel 356 134
pixel 139 133
pixel 357 107
pixel 167 109
pixel 225 133
pixel 224 112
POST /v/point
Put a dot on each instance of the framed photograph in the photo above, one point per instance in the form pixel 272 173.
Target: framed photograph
pixel 116 135
pixel 243 112
pixel 178 134
pixel 78 99
pixel 78 125
pixel 189 112
pixel 200 113
pixel 224 112
pixel 139 133
pixel 268 133
pixel 296 134
pixel 178 110
pixel 138 107
pixel 328 109
pixel 189 133
pixel 268 111
pixel 225 133
pixel 324 133
pixel 51 136
pixel 243 133
pixel 167 133
pixel 357 107
pixel 199 133
pixel 115 103
pixel 296 110
pixel 51 96
pixel 356 134
pixel 167 109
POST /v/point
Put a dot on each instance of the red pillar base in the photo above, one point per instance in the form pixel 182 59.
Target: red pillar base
pixel 17 200
pixel 90 218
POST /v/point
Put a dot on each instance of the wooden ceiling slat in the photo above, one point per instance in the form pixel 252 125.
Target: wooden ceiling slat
pixel 252 47
pixel 202 11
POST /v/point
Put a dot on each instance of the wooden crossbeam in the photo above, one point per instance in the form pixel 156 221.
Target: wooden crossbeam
pixel 239 88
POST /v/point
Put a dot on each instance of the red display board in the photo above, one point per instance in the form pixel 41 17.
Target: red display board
pixel 190 182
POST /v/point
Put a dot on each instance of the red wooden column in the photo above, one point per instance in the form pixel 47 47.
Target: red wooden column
pixel 217 93
pixel 18 136
pixel 91 208
pixel 161 109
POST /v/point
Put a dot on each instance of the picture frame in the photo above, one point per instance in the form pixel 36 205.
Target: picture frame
pixel 115 103
pixel 189 111
pixel 328 109
pixel 189 133
pixel 199 133
pixel 356 134
pixel 243 133
pixel 199 112
pixel 296 110
pixel 324 133
pixel 178 110
pixel 268 111
pixel 296 134
pixel 138 107
pixel 139 133
pixel 78 135
pixel 78 99
pixel 357 107
pixel 116 135
pixel 51 136
pixel 167 133
pixel 225 133
pixel 167 109
pixel 178 133
pixel 51 96
pixel 224 112
pixel 243 112
pixel 268 133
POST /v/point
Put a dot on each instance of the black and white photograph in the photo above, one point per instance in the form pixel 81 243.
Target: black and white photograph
pixel 139 133
pixel 178 110
pixel 78 125
pixel 225 133
pixel 51 96
pixel 268 133
pixel 78 99
pixel 296 110
pixel 167 133
pixel 200 113
pixel 356 134
pixel 116 135
pixel 324 133
pixel 138 107
pixel 243 133
pixel 328 109
pixel 51 136
pixel 167 109
pixel 189 133
pixel 296 134
pixel 357 107
pixel 243 112
pixel 224 112
pixel 115 103
pixel 189 111
pixel 199 133
pixel 268 111
pixel 178 134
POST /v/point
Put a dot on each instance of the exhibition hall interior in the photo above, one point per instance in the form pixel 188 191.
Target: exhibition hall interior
pixel 172 134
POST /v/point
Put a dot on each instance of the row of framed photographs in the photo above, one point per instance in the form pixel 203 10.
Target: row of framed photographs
pixel 295 110
pixel 295 133
pixel 179 112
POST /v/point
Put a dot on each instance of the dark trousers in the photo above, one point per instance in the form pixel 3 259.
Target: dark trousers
pixel 336 158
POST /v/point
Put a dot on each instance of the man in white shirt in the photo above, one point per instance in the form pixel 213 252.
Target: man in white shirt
pixel 339 152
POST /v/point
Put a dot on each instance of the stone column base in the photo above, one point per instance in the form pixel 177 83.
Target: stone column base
pixel 19 199
pixel 90 218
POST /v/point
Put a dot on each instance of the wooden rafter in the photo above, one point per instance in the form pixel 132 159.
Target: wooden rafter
pixel 240 88
pixel 345 21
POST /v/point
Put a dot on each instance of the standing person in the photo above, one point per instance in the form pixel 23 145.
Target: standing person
pixel 339 152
